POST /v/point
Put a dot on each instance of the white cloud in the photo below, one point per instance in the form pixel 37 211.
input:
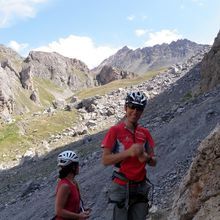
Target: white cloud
pixel 81 48
pixel 140 32
pixel 163 36
pixel 20 48
pixel 12 10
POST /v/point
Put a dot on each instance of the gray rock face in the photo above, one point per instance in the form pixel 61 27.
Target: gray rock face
pixel 210 69
pixel 141 60
pixel 61 70
pixel 109 74
pixel 199 194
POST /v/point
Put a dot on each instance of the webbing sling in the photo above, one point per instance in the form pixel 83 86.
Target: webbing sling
pixel 122 177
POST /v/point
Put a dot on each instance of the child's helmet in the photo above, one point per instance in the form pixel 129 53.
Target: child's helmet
pixel 67 157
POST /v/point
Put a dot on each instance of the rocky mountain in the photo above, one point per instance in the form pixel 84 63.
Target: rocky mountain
pixel 148 58
pixel 36 81
pixel 39 79
pixel 63 71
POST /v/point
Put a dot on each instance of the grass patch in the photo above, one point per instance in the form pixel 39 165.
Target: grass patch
pixel 102 90
pixel 46 84
pixel 8 135
pixel 45 88
pixel 81 75
pixel 36 129
pixel 40 128
pixel 187 96
pixel 10 142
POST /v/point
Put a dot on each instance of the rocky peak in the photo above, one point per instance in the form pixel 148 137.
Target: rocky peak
pixel 124 50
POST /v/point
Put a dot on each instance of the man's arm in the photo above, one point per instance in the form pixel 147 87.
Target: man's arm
pixel 108 158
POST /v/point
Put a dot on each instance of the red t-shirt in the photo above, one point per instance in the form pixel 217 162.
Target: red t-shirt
pixel 120 138
pixel 73 201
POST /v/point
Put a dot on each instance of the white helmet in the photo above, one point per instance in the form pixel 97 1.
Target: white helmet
pixel 67 157
pixel 137 98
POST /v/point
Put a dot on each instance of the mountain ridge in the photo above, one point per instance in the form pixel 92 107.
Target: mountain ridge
pixel 148 58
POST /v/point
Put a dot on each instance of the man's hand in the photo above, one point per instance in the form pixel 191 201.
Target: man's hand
pixel 136 150
pixel 144 157
pixel 147 158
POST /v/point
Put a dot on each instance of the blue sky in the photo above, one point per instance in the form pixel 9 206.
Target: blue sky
pixel 92 30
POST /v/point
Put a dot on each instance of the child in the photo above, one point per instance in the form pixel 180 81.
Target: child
pixel 67 205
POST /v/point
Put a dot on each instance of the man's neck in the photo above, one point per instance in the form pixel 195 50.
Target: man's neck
pixel 130 125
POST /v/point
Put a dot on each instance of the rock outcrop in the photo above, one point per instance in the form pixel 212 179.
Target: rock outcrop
pixel 109 74
pixel 210 69
pixel 199 195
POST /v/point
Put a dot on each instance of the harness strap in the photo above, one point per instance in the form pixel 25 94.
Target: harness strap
pixel 120 176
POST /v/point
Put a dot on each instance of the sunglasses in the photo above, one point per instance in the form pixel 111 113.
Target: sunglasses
pixel 134 106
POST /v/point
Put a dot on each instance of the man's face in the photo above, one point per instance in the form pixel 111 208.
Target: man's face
pixel 133 112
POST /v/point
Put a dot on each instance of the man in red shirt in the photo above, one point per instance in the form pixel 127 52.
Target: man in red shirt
pixel 129 147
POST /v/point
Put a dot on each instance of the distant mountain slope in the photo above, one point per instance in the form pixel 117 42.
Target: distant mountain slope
pixel 148 58
pixel 27 84
pixel 63 71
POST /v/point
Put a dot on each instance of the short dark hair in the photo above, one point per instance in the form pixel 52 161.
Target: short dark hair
pixel 70 168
